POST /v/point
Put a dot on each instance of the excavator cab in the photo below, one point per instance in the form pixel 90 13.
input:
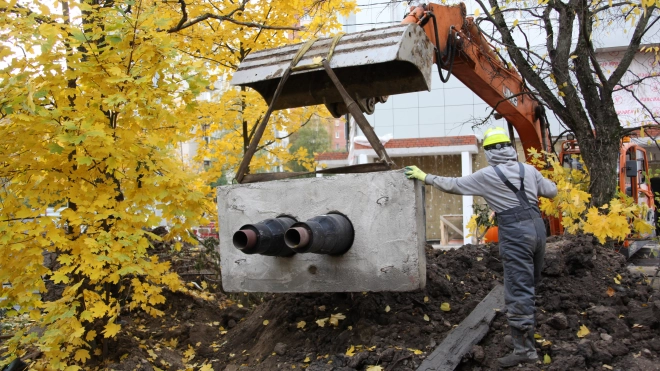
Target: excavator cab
pixel 371 65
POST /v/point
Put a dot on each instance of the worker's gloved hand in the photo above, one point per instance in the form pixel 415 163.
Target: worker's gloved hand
pixel 413 172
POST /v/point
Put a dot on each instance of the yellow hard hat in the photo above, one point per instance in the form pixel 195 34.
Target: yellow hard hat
pixel 494 136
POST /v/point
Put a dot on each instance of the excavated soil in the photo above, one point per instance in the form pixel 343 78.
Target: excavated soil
pixel 584 284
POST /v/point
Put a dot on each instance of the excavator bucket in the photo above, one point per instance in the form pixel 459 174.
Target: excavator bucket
pixel 371 65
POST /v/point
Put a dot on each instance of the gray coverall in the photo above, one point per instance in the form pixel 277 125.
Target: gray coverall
pixel 511 189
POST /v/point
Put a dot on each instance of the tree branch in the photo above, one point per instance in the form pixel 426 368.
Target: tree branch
pixel 185 23
pixel 633 47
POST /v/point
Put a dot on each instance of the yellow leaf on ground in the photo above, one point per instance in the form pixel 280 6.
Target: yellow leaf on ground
pixel 426 299
pixel 206 367
pixel 445 307
pixel 537 336
pixel 374 368
pixel 547 360
pixel 306 360
pixel 322 308
pixel 266 322
pixel 321 322
pixel 335 318
pixel 387 309
pixel 351 351
pixel 448 277
pixel 617 281
pixel 584 331
pixel 301 324
pixel 415 351
pixel 426 318
pixel 190 353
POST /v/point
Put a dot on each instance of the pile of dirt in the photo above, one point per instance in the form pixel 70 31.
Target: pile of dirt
pixel 584 286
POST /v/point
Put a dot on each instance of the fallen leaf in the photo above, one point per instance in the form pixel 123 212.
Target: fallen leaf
pixel 426 318
pixel 301 324
pixel 374 368
pixel 306 360
pixel 371 349
pixel 387 309
pixel 321 322
pixel 448 278
pixel 479 258
pixel 426 299
pixel 584 331
pixel 266 322
pixel 610 292
pixel 322 308
pixel 152 354
pixel 617 281
pixel 445 307
pixel 351 351
pixel 621 316
pixel 415 351
pixel 545 343
pixel 608 367
pixel 547 360
pixel 537 336
pixel 335 318
pixel 350 328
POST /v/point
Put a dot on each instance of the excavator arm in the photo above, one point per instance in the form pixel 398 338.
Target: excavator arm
pixel 374 64
pixel 462 50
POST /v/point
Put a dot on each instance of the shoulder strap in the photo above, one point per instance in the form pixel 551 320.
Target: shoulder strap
pixel 505 180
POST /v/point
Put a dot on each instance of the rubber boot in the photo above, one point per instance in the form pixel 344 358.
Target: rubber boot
pixel 523 349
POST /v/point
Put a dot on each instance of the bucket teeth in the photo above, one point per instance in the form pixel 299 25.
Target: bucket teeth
pixel 371 65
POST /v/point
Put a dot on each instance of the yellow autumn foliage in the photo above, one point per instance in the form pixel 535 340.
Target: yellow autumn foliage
pixel 615 220
pixel 96 99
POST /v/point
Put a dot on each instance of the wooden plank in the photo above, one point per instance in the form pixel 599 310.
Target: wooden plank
pixel 468 333
pixel 442 218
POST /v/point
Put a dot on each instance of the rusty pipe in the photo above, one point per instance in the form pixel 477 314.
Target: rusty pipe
pixel 330 234
pixel 265 237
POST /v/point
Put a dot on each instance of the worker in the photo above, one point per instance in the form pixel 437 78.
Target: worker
pixel 511 189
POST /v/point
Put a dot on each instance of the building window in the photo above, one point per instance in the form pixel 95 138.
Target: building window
pixel 207 163
pixel 336 134
pixel 337 146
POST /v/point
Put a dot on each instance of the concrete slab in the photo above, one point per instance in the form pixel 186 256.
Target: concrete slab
pixel 387 212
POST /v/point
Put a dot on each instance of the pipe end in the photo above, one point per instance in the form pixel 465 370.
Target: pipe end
pixel 297 238
pixel 244 239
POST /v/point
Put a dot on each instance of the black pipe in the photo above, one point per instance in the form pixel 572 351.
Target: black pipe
pixel 330 234
pixel 265 237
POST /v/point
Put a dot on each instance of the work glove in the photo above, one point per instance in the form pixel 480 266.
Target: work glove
pixel 413 172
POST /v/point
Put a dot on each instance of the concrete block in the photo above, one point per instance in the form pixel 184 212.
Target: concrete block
pixel 387 212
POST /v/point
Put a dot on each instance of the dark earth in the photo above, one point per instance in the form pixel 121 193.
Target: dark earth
pixel 584 284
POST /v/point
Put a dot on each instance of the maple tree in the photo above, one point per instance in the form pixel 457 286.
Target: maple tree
pixel 95 99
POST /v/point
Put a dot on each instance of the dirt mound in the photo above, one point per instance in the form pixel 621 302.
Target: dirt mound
pixel 395 331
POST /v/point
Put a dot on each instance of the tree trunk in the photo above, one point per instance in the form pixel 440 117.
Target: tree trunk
pixel 600 155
